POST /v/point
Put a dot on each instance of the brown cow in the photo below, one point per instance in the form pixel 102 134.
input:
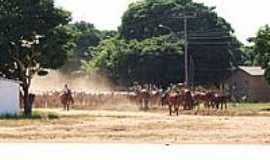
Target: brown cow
pixel 221 100
pixel 206 98
pixel 188 100
pixel 143 97
pixel 174 101
pixel 212 99
pixel 156 96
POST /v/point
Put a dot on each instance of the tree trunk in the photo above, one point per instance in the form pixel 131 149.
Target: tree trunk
pixel 26 98
pixel 27 106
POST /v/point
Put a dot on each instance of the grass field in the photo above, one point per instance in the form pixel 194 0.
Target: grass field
pixel 240 124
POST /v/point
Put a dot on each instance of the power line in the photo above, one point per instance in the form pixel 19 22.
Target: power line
pixel 203 34
pixel 210 30
pixel 210 38
pixel 209 34
pixel 211 69
pixel 209 43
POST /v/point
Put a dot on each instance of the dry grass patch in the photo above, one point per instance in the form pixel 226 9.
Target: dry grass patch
pixel 135 127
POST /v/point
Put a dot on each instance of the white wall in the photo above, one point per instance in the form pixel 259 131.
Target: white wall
pixel 9 97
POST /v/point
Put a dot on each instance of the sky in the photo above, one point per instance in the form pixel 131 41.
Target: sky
pixel 245 16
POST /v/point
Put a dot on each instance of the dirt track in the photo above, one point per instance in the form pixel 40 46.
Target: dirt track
pixel 137 127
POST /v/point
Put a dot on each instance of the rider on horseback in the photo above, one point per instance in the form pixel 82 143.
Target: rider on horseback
pixel 66 98
pixel 67 91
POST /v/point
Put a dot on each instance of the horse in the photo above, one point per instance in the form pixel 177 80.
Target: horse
pixel 66 100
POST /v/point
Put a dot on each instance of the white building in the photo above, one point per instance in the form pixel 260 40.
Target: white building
pixel 9 97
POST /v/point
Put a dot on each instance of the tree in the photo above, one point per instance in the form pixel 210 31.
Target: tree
pixel 32 37
pixel 106 34
pixel 156 60
pixel 248 57
pixel 212 48
pixel 86 38
pixel 262 49
pixel 143 18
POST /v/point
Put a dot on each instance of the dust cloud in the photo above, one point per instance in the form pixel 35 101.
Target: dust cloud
pixel 78 82
pixel 101 93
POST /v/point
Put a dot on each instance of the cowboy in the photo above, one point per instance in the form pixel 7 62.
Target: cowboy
pixel 66 98
pixel 67 91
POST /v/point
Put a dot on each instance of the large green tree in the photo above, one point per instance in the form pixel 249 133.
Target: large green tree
pixel 32 37
pixel 87 36
pixel 213 49
pixel 262 49
pixel 154 60
pixel 143 18
pixel 248 56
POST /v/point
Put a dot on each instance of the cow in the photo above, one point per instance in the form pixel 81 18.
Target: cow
pixel 172 100
pixel 220 101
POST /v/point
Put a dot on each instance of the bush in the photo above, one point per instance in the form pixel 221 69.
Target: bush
pixel 35 115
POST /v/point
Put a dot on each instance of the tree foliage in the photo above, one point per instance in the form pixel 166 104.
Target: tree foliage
pixel 143 18
pixel 248 56
pixel 262 49
pixel 213 50
pixel 32 37
pixel 86 38
pixel 262 46
pixel 154 60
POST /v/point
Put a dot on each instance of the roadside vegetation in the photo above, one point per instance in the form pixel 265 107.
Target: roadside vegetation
pixel 36 115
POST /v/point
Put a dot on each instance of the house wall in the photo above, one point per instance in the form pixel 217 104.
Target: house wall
pixel 238 86
pixel 9 97
pixel 260 91
pixel 248 88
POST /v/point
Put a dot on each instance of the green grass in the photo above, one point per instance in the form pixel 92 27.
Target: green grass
pixel 249 106
pixel 236 109
pixel 36 115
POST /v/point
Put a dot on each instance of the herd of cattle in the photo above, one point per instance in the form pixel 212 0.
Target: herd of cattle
pixel 176 101
pixel 183 99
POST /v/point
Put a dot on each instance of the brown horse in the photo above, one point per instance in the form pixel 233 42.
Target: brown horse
pixel 66 100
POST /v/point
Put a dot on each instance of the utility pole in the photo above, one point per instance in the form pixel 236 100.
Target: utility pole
pixel 185 17
pixel 186 53
pixel 187 74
